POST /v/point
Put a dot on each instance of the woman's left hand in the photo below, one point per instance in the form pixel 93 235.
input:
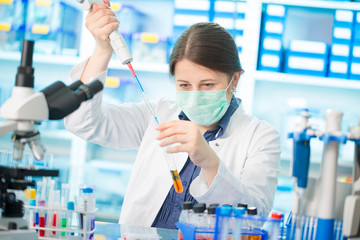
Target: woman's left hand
pixel 188 138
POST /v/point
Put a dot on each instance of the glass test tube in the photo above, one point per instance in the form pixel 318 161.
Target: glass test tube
pixel 238 212
pixel 169 157
pixel 41 204
pixel 225 212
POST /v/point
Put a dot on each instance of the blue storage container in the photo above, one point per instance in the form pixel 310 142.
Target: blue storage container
pixel 271 44
pixel 340 51
pixel 355 52
pixel 307 57
pixel 338 68
pixel 270 61
pixel 355 70
pixel 356 33
pixel 342 34
pixel 12 24
pixel 230 9
pixel 149 47
pixel 308 48
pixel 54 26
pixel 187 13
pixel 230 15
pixel 344 18
pixel 273 11
pixel 273 27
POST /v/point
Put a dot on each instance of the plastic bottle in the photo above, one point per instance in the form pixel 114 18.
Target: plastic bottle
pixel 186 212
pixel 252 211
pixel 185 215
pixel 198 219
pixel 211 218
pixel 244 205
pixel 276 229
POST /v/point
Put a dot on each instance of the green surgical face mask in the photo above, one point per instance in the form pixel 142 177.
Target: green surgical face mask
pixel 203 107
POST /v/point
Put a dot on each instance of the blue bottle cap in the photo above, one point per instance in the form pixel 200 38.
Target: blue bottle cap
pixel 239 211
pixel 226 210
pixel 88 190
pixel 70 206
pixel 32 202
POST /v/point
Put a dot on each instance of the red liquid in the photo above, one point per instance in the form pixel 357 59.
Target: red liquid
pixel 131 69
pixel 42 224
pixel 54 223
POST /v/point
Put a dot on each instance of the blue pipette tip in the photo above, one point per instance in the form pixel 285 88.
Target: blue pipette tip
pixel 138 82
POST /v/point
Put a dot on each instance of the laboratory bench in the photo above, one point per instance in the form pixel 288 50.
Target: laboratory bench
pixel 113 231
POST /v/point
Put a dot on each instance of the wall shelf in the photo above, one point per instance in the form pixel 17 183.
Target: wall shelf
pixel 72 61
pixel 41 58
pixel 307 80
pixel 317 4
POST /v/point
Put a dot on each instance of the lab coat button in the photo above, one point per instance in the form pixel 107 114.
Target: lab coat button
pixel 216 144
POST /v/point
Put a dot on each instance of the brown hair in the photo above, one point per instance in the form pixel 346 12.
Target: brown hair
pixel 209 45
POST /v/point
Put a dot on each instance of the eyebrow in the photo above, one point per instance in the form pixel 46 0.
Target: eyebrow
pixel 204 80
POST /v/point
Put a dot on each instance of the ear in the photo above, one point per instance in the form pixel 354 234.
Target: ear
pixel 235 81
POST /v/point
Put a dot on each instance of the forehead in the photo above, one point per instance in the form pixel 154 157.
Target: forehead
pixel 190 71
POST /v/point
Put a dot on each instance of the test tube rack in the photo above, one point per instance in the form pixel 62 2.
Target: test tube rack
pixel 252 227
pixel 73 232
pixel 308 228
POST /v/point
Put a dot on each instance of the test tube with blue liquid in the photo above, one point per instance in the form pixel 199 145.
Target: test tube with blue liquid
pixel 169 157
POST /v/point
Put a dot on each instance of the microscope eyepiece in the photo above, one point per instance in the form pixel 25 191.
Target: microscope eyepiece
pixel 25 72
pixel 27 53
pixel 87 91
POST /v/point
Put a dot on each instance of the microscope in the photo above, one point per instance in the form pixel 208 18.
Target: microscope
pixel 25 109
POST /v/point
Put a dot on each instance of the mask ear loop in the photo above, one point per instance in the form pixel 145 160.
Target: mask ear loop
pixel 233 91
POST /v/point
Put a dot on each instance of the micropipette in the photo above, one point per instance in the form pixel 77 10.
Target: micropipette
pixel 170 160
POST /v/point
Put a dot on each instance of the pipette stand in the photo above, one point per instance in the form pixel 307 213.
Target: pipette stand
pixel 327 182
pixel 351 225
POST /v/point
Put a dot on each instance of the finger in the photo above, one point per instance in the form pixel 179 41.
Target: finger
pixel 106 30
pixel 165 125
pixel 174 130
pixel 179 138
pixel 97 6
pixel 99 13
pixel 178 148
pixel 104 21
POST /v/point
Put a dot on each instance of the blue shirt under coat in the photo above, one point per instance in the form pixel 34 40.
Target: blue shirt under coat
pixel 169 213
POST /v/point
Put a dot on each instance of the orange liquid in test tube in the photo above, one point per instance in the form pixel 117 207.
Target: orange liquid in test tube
pixel 177 181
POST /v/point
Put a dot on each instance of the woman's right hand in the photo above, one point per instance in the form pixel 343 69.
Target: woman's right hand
pixel 101 21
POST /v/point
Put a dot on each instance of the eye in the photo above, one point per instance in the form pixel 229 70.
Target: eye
pixel 184 85
pixel 208 85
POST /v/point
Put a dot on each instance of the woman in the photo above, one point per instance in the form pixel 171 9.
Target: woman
pixel 222 154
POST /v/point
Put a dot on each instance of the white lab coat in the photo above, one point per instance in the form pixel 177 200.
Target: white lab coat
pixel 249 153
